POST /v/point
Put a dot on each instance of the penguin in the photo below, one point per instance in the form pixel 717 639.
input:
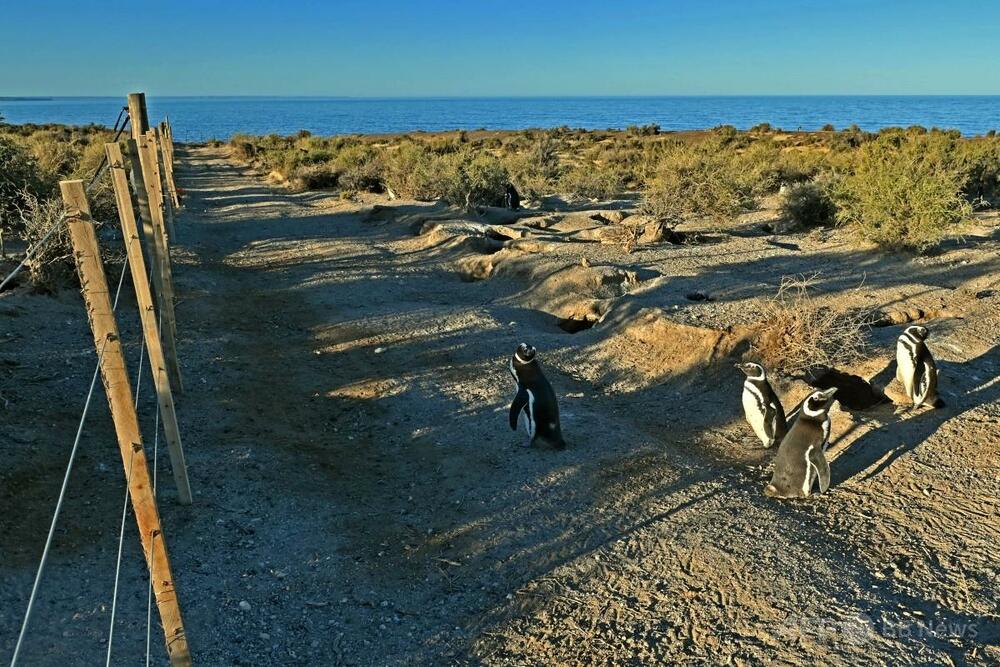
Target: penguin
pixel 801 459
pixel 511 199
pixel 915 367
pixel 762 406
pixel 535 399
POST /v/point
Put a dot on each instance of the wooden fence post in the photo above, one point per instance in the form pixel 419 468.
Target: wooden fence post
pixel 167 147
pixel 138 114
pixel 161 167
pixel 119 393
pixel 159 246
pixel 150 330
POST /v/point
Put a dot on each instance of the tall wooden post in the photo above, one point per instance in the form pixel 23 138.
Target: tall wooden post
pixel 157 243
pixel 166 137
pixel 138 114
pixel 119 392
pixel 161 166
pixel 147 314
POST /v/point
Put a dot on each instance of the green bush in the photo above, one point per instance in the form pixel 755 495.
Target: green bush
pixel 412 170
pixel 650 130
pixel 905 191
pixel 710 178
pixel 536 172
pixel 980 160
pixel 19 178
pixel 468 179
pixel 359 167
pixel 809 205
pixel 594 181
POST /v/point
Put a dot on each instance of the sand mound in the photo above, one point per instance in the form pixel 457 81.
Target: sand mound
pixel 642 346
pixel 577 292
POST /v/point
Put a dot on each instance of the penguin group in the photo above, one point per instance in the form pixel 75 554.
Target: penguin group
pixel 800 464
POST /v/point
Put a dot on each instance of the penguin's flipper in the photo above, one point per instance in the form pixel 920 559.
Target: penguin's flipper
pixel 819 463
pixel 774 425
pixel 520 402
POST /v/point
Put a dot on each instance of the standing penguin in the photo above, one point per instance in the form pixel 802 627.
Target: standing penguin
pixel 915 367
pixel 801 459
pixel 511 199
pixel 535 399
pixel 761 405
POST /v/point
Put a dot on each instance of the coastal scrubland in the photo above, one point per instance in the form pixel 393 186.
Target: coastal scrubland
pixel 902 188
pixel 33 159
pixel 346 311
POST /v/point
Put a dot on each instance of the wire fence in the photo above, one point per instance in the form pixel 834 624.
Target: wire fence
pixel 120 125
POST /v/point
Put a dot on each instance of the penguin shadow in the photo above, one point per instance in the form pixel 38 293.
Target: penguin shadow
pixel 966 388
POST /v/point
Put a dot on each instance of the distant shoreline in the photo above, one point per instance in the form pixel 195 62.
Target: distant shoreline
pixel 203 118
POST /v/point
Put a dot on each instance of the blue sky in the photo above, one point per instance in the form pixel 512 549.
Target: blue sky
pixel 451 48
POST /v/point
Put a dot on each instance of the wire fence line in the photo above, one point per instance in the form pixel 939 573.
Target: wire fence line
pixel 152 551
pixel 128 480
pixel 121 124
pixel 65 483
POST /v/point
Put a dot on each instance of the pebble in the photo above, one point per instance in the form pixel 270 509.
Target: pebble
pixel 244 605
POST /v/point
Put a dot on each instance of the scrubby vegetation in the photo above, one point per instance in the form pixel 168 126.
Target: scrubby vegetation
pixel 900 188
pixel 798 332
pixel 809 205
pixel 905 191
pixel 33 159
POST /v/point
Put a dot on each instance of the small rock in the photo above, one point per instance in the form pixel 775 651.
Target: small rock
pixel 244 605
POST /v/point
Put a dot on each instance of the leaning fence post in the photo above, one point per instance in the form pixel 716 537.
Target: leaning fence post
pixel 166 138
pixel 119 392
pixel 157 244
pixel 147 314
pixel 161 168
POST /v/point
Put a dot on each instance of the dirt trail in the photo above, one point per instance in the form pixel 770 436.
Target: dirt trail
pixel 357 486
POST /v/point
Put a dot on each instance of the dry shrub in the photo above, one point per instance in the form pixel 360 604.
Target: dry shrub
pixel 625 237
pixel 536 171
pixel 798 333
pixel 412 170
pixel 472 179
pixel 51 267
pixel 809 205
pixel 711 178
pixel 359 167
pixel 594 181
pixel 19 177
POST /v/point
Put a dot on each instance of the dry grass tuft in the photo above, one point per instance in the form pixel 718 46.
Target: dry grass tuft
pixel 51 268
pixel 798 333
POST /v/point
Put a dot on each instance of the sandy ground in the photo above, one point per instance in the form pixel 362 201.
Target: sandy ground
pixel 360 500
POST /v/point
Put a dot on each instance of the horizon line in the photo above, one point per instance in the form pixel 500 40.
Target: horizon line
pixel 39 98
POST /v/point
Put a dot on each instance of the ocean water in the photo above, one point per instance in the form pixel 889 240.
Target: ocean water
pixel 200 118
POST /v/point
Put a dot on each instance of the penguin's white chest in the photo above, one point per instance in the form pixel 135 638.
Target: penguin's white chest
pixel 752 402
pixel 528 415
pixel 905 369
